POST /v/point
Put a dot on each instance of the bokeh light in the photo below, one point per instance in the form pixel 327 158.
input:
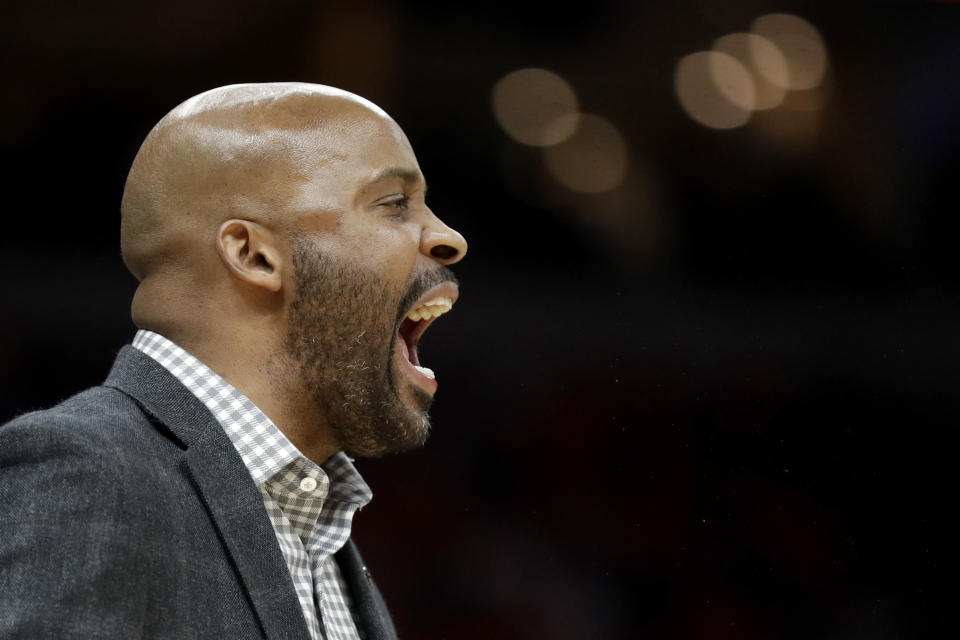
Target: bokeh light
pixel 763 60
pixel 592 160
pixel 801 46
pixel 795 125
pixel 535 107
pixel 715 89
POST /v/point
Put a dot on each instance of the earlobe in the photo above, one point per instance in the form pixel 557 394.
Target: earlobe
pixel 249 252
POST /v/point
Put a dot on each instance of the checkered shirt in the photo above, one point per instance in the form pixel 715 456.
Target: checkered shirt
pixel 310 506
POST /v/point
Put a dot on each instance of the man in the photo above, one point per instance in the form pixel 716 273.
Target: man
pixel 288 265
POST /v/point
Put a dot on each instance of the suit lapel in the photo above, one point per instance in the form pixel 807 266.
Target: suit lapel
pixel 225 487
pixel 374 618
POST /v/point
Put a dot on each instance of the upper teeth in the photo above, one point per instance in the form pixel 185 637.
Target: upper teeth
pixel 431 309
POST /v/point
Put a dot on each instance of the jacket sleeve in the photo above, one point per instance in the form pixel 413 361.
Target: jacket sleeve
pixel 68 566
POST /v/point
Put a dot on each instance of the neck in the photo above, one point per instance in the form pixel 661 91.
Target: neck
pixel 270 382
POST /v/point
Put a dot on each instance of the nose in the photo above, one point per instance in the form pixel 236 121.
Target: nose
pixel 442 243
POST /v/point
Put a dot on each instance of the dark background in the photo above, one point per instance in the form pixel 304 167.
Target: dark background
pixel 717 402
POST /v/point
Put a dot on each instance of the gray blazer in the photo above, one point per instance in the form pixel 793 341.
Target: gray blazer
pixel 126 512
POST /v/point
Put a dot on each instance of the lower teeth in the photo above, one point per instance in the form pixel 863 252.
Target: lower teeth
pixel 427 372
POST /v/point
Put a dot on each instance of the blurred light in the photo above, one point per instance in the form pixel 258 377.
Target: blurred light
pixel 795 126
pixel 714 89
pixel 763 60
pixel 535 107
pixel 733 80
pixel 811 99
pixel 801 46
pixel 796 132
pixel 592 160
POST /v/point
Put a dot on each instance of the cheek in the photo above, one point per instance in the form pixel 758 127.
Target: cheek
pixel 390 252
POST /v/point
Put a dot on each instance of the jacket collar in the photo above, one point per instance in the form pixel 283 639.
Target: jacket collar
pixel 232 499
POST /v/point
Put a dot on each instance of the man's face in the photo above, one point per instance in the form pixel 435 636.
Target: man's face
pixel 367 252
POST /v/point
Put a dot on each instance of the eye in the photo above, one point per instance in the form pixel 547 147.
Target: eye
pixel 400 205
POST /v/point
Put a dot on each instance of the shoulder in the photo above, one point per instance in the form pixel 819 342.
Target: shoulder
pixel 91 439
pixel 69 525
pixel 73 442
pixel 90 423
pixel 97 457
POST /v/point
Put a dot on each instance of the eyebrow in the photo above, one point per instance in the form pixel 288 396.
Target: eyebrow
pixel 409 176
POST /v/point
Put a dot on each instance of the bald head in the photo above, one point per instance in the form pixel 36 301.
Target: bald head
pixel 235 151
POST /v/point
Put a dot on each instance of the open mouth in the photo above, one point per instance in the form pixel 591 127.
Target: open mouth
pixel 415 323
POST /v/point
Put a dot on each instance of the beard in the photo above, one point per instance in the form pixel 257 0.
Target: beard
pixel 341 338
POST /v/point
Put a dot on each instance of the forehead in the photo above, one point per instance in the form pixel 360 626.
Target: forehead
pixel 338 157
pixel 356 136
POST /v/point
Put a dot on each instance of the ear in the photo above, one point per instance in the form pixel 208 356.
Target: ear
pixel 250 253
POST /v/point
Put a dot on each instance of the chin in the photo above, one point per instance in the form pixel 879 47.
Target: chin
pixel 399 424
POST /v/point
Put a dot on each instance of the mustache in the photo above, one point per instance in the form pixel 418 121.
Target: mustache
pixel 421 284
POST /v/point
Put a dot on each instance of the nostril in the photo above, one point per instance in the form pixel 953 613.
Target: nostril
pixel 443 252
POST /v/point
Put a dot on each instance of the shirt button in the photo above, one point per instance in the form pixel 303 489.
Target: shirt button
pixel 308 484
